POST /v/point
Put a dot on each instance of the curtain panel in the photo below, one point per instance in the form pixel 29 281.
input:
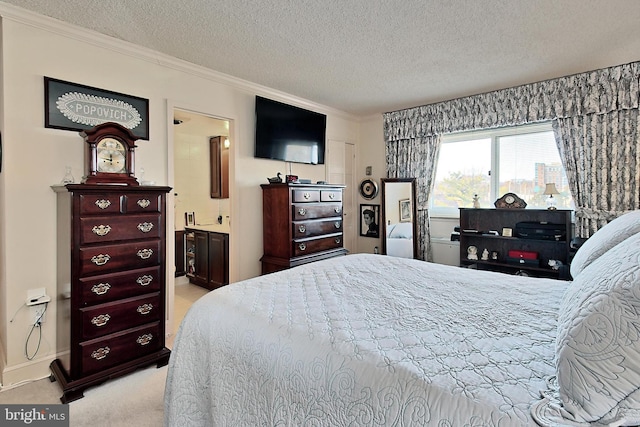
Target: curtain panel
pixel 583 107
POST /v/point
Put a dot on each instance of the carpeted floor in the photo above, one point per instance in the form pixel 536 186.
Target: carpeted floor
pixel 133 400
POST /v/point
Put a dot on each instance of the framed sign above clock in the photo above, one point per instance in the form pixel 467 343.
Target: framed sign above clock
pixel 72 106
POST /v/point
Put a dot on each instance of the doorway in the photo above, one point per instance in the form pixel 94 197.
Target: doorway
pixel 192 197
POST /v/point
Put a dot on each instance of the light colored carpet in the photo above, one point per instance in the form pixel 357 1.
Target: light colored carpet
pixel 135 399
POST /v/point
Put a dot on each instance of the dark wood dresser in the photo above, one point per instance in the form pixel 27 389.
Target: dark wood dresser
pixel 302 223
pixel 111 283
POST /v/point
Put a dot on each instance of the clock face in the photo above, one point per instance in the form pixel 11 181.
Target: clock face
pixel 509 199
pixel 111 155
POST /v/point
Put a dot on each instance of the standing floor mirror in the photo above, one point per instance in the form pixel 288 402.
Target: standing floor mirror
pixel 399 229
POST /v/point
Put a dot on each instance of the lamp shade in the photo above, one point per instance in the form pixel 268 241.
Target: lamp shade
pixel 551 189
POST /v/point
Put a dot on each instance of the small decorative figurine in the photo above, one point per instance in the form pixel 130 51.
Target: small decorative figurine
pixel 476 201
pixel 472 253
pixel 485 255
pixel 275 179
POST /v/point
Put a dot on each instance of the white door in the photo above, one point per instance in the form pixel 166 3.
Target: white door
pixel 341 158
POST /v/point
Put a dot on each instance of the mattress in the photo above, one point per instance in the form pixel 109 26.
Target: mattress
pixel 366 340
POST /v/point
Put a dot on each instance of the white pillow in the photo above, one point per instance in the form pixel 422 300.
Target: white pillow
pixel 604 239
pixel 598 341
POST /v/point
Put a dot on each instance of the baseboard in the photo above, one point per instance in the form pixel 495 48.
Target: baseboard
pixel 14 376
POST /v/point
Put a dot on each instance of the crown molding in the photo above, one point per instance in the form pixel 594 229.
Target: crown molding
pixel 64 29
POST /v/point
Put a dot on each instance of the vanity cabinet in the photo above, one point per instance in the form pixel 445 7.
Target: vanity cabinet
pixel 219 160
pixel 302 223
pixel 207 258
pixel 110 299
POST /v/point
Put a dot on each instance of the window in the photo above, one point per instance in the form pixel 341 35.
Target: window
pixel 490 163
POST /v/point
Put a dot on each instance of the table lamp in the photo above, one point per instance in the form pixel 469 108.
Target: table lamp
pixel 550 189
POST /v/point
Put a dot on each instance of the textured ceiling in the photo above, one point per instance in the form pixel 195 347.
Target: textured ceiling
pixel 372 56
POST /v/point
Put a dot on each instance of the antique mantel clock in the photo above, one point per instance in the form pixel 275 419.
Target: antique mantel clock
pixel 109 155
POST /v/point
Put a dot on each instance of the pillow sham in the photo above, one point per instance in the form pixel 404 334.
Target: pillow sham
pixel 604 239
pixel 598 341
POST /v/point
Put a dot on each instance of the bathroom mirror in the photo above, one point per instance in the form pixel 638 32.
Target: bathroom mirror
pixel 399 228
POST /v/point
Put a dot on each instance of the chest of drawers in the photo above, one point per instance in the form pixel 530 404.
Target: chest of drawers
pixel 301 224
pixel 111 283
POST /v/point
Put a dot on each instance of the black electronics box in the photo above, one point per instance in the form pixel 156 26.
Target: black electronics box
pixel 540 231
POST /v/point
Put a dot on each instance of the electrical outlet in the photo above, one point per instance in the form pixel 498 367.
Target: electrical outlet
pixel 38 313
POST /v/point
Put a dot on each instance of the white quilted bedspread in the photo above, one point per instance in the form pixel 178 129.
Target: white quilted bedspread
pixel 365 340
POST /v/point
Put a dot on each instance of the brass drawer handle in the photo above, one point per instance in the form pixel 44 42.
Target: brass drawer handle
pixel 103 203
pixel 336 224
pixel 145 308
pixel 302 246
pixel 145 253
pixel 145 227
pixel 100 288
pixel 302 211
pixel 338 240
pixel 302 228
pixel 101 320
pixel 144 339
pixel 144 280
pixel 337 209
pixel 100 259
pixel 306 195
pixel 101 230
pixel 100 353
pixel 143 203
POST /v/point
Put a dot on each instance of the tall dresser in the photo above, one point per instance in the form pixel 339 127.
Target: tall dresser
pixel 302 223
pixel 111 283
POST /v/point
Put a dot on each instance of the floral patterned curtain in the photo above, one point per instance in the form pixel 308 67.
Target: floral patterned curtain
pixel 566 101
pixel 600 153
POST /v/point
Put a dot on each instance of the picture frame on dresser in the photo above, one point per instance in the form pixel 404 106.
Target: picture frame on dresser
pixel 370 220
pixel 190 219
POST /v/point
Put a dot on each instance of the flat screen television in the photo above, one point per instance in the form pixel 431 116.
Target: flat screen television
pixel 292 134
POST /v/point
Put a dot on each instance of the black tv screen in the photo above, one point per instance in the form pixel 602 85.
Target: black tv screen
pixel 292 134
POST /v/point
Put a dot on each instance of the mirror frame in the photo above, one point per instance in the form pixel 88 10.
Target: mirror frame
pixel 383 229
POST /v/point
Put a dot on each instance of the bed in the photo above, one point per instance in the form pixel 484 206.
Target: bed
pixel 374 340
pixel 400 239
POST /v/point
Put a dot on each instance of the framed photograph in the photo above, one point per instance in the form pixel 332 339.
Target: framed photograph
pixel 370 220
pixel 507 232
pixel 405 210
pixel 72 106
pixel 190 218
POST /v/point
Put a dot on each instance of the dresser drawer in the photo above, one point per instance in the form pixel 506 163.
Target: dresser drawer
pixel 318 210
pixel 110 287
pixel 91 204
pixel 331 195
pixel 316 227
pixel 310 246
pixel 102 259
pixel 142 203
pixel 115 316
pixel 105 352
pixel 96 229
pixel 303 195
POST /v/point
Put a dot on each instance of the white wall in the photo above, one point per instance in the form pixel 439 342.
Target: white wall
pixel 371 152
pixel 35 156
